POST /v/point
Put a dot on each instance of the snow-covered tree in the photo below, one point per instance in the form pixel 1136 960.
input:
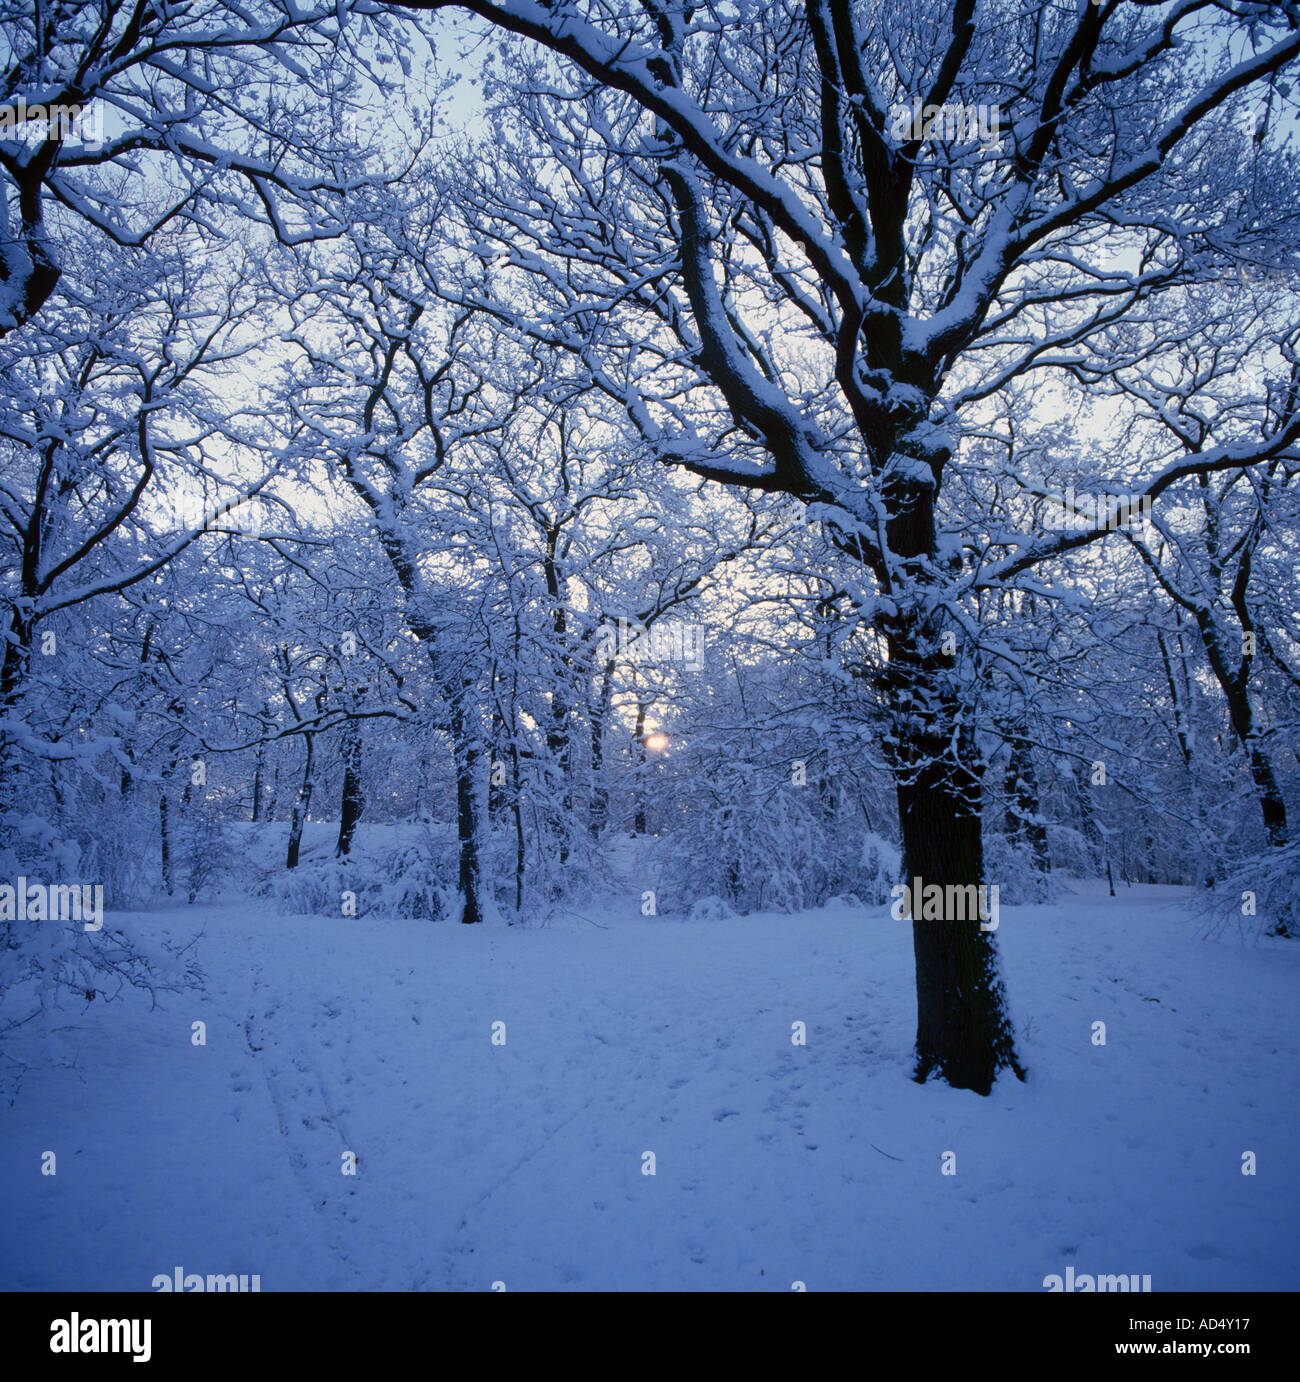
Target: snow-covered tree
pixel 801 243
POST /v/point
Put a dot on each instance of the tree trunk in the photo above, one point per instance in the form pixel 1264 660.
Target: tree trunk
pixel 13 669
pixel 298 817
pixel 354 799
pixel 466 749
pixel 558 733
pixel 458 692
pixel 599 788
pixel 1088 826
pixel 165 840
pixel 521 852
pixel 962 1031
pixel 175 708
pixel 1235 685
pixel 1272 805
pixel 259 763
pixel 497 797
pixel 1024 819
pixel 274 799
pixel 639 822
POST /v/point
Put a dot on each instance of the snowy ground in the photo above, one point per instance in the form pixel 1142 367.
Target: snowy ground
pixel 775 1163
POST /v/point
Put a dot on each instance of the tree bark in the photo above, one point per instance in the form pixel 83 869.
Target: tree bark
pixel 558 733
pixel 467 753
pixel 301 806
pixel 521 851
pixel 638 735
pixel 963 1033
pixel 354 792
pixel 599 788
pixel 1024 818
pixel 165 840
pixel 13 670
pixel 259 763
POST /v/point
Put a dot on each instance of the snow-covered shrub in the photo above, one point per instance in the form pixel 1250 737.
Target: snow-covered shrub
pixel 1072 853
pixel 1261 895
pixel 710 909
pixel 756 850
pixel 418 884
pixel 321 887
pixel 409 881
pixel 755 844
pixel 1011 867
pixel 203 859
pixel 116 853
pixel 49 963
pixel 881 867
pixel 32 846
pixel 552 876
pixel 95 836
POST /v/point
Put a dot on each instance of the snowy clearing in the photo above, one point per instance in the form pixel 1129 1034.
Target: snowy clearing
pixel 523 1163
